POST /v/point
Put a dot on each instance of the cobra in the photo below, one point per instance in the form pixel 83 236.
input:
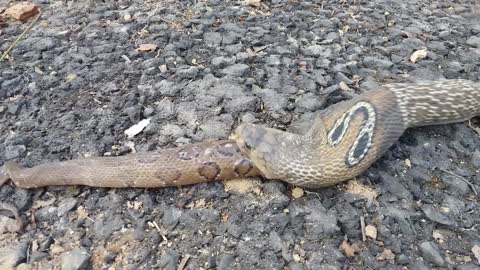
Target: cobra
pixel 344 140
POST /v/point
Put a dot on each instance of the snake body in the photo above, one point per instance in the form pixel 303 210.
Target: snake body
pixel 344 140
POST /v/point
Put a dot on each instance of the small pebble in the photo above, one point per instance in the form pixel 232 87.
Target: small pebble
pixel 431 253
pixel 76 259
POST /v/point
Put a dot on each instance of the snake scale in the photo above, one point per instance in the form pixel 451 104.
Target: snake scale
pixel 344 140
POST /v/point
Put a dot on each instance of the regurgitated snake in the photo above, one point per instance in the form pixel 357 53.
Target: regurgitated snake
pixel 344 141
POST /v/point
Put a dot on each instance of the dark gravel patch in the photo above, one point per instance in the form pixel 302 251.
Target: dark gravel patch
pixel 76 82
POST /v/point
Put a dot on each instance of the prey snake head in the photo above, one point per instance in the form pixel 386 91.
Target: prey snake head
pixel 258 144
pixel 268 148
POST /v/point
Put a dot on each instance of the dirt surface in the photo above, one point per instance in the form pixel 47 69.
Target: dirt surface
pixel 76 82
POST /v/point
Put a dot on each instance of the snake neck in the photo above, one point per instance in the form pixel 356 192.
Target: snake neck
pixel 343 140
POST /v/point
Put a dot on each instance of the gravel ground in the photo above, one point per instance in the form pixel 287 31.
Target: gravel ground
pixel 76 82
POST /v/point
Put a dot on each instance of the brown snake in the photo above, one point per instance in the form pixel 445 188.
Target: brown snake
pixel 344 141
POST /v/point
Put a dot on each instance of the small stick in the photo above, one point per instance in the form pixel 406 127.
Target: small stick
pixel 362 225
pixel 476 130
pixel 160 231
pixel 183 263
pixel 463 179
pixel 20 37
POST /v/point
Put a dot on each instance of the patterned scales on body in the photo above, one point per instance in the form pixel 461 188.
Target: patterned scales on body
pixel 436 103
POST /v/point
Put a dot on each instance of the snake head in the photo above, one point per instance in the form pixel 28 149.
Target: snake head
pixel 249 137
pixel 266 147
pixel 251 141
